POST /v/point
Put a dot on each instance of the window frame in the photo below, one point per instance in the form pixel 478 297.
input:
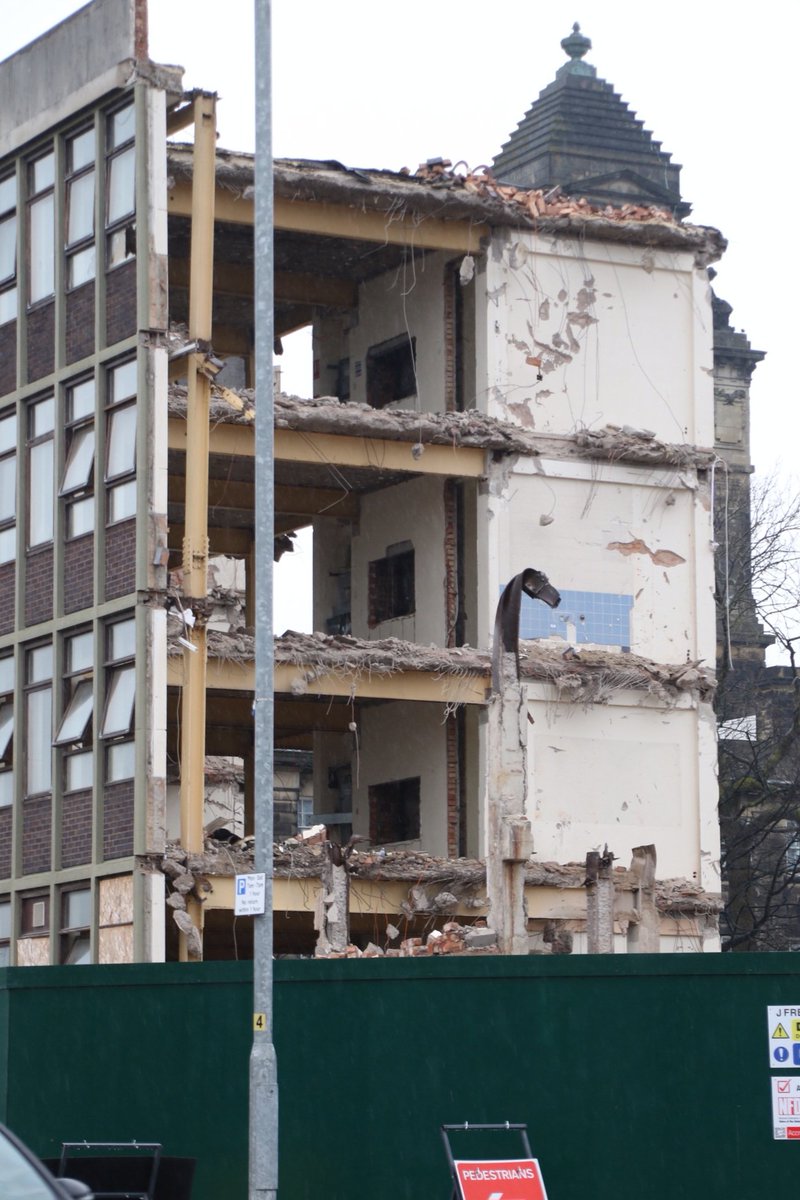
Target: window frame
pixel 8 284
pixel 115 669
pixel 70 935
pixel 7 747
pixel 73 177
pixel 31 688
pixel 34 441
pixel 115 407
pixel 9 524
pixel 120 229
pixel 77 495
pixel 34 198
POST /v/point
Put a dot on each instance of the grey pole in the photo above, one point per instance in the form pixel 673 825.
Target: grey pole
pixel 263 1064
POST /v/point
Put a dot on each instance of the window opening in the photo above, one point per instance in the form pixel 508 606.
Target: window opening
pixel 38 719
pixel 35 915
pixel 76 920
pixel 391 584
pixel 120 186
pixel 8 248
pixel 8 488
pixel 6 730
pixel 77 480
pixel 394 811
pixel 120 470
pixel 391 373
pixel 41 228
pixel 41 417
pixel 75 728
pixel 120 681
pixel 5 932
pixel 80 189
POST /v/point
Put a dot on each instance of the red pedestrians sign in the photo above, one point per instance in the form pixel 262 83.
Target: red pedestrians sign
pixel 509 1179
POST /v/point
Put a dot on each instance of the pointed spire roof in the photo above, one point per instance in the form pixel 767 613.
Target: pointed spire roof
pixel 581 135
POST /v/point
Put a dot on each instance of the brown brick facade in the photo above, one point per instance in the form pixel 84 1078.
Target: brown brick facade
pixel 79 573
pixel 80 322
pixel 6 825
pixel 41 341
pixel 39 586
pixel 120 559
pixel 76 829
pixel 8 578
pixel 8 357
pixel 118 820
pixel 37 824
pixel 450 560
pixel 121 303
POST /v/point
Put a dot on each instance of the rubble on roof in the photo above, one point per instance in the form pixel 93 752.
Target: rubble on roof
pixel 471 428
pixel 447 193
pixel 583 676
pixel 431 879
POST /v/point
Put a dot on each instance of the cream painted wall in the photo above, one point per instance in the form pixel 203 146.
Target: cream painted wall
pixel 401 741
pixel 594 507
pixel 414 512
pixel 408 301
pixel 624 335
pixel 624 773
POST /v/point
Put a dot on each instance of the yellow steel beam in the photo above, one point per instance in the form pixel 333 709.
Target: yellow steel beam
pixel 385 897
pixel 227 675
pixel 292 445
pixel 221 539
pixel 195 544
pixel 342 221
pixel 342 450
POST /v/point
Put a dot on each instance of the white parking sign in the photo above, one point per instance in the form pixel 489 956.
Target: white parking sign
pixel 251 894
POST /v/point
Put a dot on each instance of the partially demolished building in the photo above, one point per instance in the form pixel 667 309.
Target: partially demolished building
pixel 505 377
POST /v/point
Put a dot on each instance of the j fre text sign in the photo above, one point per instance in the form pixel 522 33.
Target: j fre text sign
pixel 783 1033
pixel 507 1179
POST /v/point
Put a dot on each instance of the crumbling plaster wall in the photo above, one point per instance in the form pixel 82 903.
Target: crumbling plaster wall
pixel 405 302
pixel 629 550
pixel 412 512
pixel 623 334
pixel 627 772
pixel 403 740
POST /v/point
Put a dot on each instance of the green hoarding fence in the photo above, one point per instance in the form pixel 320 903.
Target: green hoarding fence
pixel 636 1076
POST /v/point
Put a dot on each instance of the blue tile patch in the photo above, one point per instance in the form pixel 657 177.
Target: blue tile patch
pixel 599 618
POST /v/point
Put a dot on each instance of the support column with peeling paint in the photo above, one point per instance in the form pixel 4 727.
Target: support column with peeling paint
pixel 599 902
pixel 509 842
pixel 195 544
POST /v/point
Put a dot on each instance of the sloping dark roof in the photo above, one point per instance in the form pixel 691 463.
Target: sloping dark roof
pixel 580 135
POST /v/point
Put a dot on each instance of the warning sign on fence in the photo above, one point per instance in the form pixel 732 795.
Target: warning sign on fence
pixel 783 1032
pixel 507 1179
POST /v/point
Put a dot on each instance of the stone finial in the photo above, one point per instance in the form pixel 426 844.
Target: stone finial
pixel 576 45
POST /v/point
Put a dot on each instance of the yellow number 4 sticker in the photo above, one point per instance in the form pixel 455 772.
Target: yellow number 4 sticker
pixel 260 1022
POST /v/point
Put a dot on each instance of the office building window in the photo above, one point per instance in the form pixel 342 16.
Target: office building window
pixel 5 932
pixel 74 732
pixel 121 442
pixel 8 248
pixel 38 719
pixel 6 730
pixel 41 418
pixel 8 488
pixel 120 680
pixel 77 479
pixel 41 228
pixel 80 187
pixel 76 920
pixel 120 185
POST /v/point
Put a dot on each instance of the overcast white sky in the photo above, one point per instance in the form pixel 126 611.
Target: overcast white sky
pixel 381 85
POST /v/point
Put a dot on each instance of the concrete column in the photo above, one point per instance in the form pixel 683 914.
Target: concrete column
pixel 599 902
pixel 509 838
pixel 332 920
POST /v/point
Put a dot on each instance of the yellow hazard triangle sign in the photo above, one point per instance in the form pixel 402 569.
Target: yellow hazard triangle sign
pixel 780 1032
